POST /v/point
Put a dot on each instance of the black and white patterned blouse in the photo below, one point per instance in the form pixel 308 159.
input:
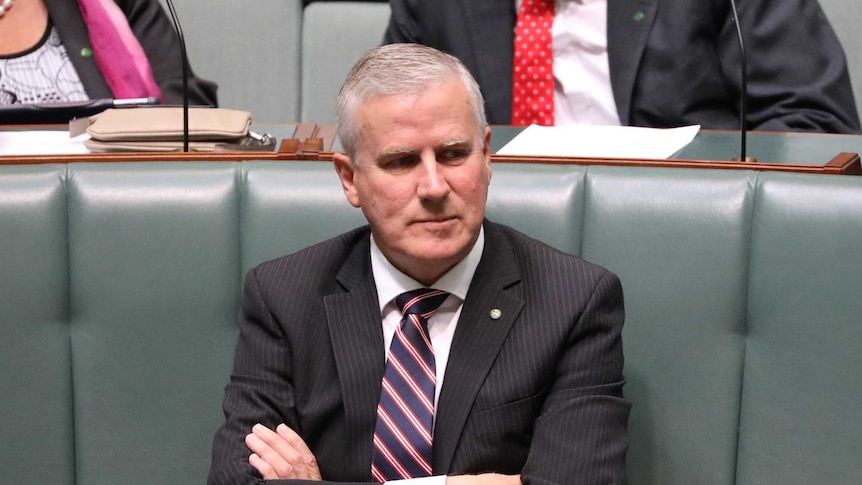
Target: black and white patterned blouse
pixel 42 74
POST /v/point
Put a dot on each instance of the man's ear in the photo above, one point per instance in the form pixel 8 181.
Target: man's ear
pixel 345 170
pixel 486 152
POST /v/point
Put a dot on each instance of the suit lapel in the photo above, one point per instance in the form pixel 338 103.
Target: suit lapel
pixel 629 25
pixel 357 343
pixel 477 341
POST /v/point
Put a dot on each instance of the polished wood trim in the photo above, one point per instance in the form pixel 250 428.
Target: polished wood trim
pixel 288 149
pixel 308 150
pixel 845 163
pixel 327 133
pixel 842 164
pixel 312 142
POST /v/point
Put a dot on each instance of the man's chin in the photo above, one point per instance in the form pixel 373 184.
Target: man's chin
pixel 441 252
pixel 428 259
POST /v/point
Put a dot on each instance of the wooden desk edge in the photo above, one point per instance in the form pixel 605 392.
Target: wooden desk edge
pixel 313 142
pixel 844 163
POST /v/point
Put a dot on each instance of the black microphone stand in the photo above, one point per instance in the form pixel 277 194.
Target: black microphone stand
pixel 179 30
pixel 743 97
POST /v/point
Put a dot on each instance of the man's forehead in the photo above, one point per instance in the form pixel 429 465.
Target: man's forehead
pixel 412 94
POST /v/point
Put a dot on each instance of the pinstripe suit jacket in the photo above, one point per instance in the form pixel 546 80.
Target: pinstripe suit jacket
pixel 536 392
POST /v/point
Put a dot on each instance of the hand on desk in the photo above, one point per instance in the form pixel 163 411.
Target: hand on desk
pixel 281 454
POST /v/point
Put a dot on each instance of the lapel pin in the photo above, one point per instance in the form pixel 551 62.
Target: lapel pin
pixel 495 313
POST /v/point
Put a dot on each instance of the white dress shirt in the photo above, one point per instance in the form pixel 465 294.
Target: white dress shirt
pixel 582 79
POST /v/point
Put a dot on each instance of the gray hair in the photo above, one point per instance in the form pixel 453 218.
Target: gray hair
pixel 403 70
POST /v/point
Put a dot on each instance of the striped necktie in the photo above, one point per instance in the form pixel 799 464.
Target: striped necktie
pixel 405 414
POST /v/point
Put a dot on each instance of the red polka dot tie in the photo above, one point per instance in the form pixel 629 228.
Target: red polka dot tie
pixel 533 76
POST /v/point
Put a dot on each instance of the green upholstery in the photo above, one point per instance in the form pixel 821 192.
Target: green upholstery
pixel 334 37
pixel 36 415
pixel 121 283
pixel 678 239
pixel 284 211
pixel 250 49
pixel 153 264
pixel 801 393
pixel 844 16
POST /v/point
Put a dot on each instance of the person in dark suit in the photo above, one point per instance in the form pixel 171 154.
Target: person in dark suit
pixel 527 345
pixel 668 62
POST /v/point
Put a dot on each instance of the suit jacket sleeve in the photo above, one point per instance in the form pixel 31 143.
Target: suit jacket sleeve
pixel 160 42
pixel 478 32
pixel 261 390
pixel 580 435
pixel 797 73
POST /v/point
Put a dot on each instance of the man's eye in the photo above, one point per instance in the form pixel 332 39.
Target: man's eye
pixel 400 162
pixel 452 155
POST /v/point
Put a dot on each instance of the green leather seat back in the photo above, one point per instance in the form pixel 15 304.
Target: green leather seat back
pixel 844 16
pixel 35 377
pixel 251 50
pixel 801 394
pixel 678 239
pixel 284 211
pixel 544 201
pixel 124 280
pixel 334 37
pixel 153 258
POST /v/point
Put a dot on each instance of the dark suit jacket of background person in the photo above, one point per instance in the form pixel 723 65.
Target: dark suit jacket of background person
pixel 157 37
pixel 537 392
pixel 672 62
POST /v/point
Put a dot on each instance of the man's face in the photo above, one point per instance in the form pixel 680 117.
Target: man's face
pixel 421 177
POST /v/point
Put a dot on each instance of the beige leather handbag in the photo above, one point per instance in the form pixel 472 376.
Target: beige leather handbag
pixel 161 129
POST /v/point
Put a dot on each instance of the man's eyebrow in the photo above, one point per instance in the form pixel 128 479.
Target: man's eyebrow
pixel 394 152
pixel 399 150
pixel 455 143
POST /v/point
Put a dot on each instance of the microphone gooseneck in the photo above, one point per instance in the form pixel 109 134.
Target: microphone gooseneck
pixel 743 96
pixel 175 19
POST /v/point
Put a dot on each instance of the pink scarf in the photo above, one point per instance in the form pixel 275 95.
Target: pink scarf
pixel 118 54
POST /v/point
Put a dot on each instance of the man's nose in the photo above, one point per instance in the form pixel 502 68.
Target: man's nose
pixel 432 182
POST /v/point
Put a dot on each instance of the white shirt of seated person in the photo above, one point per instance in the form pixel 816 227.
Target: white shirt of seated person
pixel 582 81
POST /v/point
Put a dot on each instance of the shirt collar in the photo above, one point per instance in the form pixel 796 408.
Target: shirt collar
pixel 391 282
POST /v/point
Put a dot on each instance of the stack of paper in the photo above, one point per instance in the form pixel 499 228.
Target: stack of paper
pixel 600 141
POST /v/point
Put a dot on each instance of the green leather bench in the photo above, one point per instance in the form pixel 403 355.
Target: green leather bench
pixel 120 284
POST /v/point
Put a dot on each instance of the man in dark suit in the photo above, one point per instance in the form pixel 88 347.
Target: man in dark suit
pixel 670 62
pixel 526 372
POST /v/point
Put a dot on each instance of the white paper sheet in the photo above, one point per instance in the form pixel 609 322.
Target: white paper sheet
pixel 45 142
pixel 600 141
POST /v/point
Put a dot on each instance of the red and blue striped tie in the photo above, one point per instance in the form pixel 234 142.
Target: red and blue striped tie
pixel 405 414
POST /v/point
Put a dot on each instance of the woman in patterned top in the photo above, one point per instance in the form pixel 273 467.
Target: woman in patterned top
pixel 72 50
